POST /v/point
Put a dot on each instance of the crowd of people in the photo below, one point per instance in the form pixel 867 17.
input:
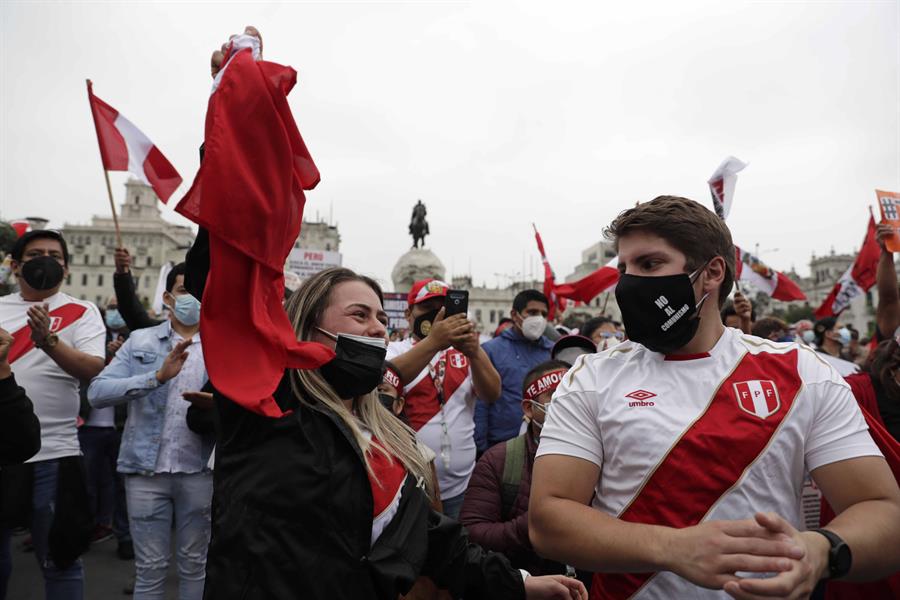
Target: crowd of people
pixel 663 456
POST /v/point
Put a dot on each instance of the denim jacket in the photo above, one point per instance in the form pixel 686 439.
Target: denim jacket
pixel 131 377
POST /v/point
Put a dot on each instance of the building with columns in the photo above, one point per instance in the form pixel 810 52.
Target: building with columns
pixel 152 241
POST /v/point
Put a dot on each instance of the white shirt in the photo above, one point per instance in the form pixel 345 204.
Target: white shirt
pixel 458 415
pixel 54 392
pixel 627 408
pixel 180 448
pixel 102 417
pixel 843 367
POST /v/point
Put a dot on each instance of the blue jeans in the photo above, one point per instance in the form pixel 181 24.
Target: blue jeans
pixel 453 505
pixel 153 501
pixel 59 584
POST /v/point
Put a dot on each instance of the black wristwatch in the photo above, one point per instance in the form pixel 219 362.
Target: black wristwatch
pixel 840 559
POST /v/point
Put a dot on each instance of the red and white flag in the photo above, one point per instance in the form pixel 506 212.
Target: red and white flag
pixel 764 278
pixel 20 226
pixel 549 279
pixel 721 185
pixel 124 148
pixel 592 285
pixel 857 279
pixel 252 178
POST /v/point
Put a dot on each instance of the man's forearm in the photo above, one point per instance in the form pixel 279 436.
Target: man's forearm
pixel 578 535
pixel 887 314
pixel 411 363
pixel 485 378
pixel 79 365
pixel 872 530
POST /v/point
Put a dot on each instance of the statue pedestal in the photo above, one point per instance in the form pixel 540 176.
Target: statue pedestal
pixel 415 265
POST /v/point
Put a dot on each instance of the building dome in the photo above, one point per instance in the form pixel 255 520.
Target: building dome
pixel 417 264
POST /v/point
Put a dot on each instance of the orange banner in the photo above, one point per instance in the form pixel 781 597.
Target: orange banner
pixel 889 205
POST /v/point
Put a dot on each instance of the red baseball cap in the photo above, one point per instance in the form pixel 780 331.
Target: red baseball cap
pixel 426 289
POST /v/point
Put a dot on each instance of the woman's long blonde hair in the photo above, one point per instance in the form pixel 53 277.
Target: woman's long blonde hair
pixel 305 309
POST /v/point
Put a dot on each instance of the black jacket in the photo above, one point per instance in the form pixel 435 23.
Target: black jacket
pixel 20 430
pixel 293 509
pixel 292 519
pixel 133 312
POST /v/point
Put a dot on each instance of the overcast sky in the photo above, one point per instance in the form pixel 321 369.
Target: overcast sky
pixel 495 114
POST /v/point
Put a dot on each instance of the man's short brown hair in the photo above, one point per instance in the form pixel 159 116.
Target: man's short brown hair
pixel 688 226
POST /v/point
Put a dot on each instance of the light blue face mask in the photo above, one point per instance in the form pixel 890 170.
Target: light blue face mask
pixel 113 319
pixel 187 310
pixel 808 336
pixel 845 336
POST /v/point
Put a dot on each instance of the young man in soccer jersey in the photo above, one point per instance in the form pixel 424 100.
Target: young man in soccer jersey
pixel 690 441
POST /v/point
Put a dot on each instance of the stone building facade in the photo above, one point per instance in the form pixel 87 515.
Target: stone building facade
pixel 152 241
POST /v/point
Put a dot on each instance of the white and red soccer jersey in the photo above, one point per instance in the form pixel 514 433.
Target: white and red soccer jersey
pixel 423 410
pixel 53 392
pixel 722 435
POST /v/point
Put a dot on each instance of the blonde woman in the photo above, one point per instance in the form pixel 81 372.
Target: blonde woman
pixel 331 501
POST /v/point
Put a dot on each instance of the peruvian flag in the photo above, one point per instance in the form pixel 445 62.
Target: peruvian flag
pixel 592 285
pixel 764 278
pixel 721 185
pixel 21 227
pixel 549 279
pixel 255 168
pixel 124 148
pixel 857 279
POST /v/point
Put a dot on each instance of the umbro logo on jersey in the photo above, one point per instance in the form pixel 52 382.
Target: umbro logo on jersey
pixel 640 398
pixel 758 397
pixel 458 361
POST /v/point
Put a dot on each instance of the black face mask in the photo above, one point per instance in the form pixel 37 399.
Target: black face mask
pixel 660 313
pixel 357 366
pixel 387 401
pixel 422 324
pixel 42 273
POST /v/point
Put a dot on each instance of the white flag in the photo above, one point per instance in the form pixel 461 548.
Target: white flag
pixel 721 185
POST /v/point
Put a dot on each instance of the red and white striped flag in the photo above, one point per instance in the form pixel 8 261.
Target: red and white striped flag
pixel 764 278
pixel 721 185
pixel 857 279
pixel 124 148
pixel 592 285
pixel 549 279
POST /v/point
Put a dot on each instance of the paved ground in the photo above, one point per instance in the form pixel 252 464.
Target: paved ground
pixel 104 573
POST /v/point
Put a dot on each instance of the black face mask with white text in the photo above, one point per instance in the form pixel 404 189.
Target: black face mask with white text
pixel 660 313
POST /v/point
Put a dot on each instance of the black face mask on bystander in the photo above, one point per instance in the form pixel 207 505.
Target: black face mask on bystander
pixel 42 272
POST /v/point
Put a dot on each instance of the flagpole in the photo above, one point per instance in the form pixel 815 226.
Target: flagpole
pixel 112 205
pixel 605 302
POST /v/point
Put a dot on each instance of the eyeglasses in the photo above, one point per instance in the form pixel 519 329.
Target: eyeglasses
pixel 616 334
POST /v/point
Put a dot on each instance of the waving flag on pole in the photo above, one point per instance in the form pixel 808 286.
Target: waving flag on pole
pixel 764 278
pixel 254 170
pixel 123 147
pixel 592 285
pixel 857 279
pixel 549 279
pixel 721 185
pixel 748 268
